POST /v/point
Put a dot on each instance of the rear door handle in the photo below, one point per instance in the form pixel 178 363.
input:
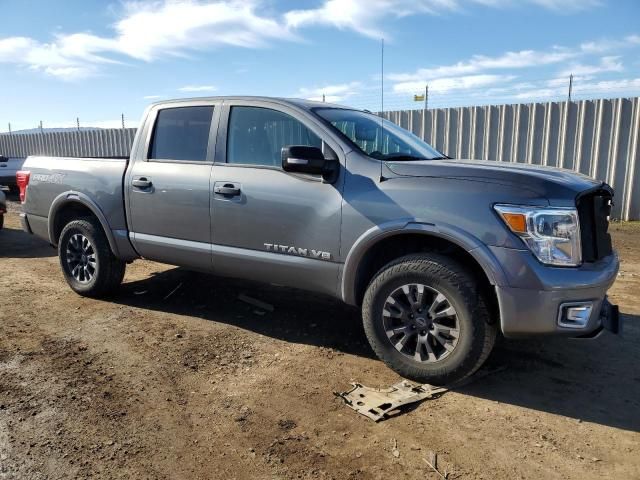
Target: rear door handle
pixel 141 182
pixel 227 189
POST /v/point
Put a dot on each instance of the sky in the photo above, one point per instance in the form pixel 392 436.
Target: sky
pixel 96 60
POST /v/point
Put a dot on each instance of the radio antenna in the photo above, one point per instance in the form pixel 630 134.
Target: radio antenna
pixel 381 103
pixel 382 79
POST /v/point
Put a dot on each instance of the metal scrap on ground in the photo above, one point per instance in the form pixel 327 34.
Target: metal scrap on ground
pixel 256 303
pixel 173 291
pixel 379 403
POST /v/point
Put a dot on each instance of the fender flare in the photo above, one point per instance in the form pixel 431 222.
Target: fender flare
pixel 479 251
pixel 78 197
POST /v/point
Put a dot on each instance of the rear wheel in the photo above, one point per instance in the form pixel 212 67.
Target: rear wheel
pixel 88 265
pixel 424 317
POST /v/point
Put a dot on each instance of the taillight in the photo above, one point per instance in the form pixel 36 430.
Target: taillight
pixel 22 179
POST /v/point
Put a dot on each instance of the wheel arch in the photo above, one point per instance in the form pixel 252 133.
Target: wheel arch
pixel 379 246
pixel 70 205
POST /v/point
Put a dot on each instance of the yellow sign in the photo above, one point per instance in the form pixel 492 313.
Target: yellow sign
pixel 418 98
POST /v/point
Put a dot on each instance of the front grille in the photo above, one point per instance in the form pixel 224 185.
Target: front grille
pixel 594 209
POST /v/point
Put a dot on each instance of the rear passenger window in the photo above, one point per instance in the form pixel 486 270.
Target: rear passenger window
pixel 181 134
pixel 257 135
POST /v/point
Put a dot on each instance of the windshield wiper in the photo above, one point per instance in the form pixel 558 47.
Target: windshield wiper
pixel 444 157
pixel 403 158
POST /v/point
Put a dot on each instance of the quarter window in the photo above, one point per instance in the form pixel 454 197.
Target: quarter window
pixel 257 135
pixel 181 134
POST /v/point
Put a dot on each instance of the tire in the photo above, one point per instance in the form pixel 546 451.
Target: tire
pixel 423 344
pixel 83 244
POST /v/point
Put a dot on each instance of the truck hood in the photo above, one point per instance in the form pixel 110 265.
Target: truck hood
pixel 557 185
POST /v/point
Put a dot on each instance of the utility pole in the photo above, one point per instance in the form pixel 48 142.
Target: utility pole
pixel 570 86
pixel 78 123
pixel 123 121
pixel 323 98
pixel 40 126
pixel 9 128
pixel 426 96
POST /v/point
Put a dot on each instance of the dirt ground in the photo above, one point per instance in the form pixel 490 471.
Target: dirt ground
pixel 197 385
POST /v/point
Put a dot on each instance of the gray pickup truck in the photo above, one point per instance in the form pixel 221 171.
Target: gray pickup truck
pixel 440 254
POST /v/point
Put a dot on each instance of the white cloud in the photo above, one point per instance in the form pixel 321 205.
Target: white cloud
pixel 147 31
pixel 363 16
pixel 608 85
pixel 476 72
pixel 567 5
pixel 366 16
pixel 563 81
pixel 606 44
pixel 151 29
pixel 478 63
pixel 14 47
pixel 449 84
pixel 198 88
pixel 152 97
pixel 332 93
pixel 54 59
pixel 607 64
pixel 561 6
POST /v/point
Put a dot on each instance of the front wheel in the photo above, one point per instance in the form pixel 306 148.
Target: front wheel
pixel 424 317
pixel 88 265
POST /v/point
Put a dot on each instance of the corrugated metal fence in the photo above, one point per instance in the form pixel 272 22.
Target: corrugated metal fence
pixel 600 138
pixel 115 142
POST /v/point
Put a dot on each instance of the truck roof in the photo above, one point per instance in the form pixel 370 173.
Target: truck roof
pixel 297 102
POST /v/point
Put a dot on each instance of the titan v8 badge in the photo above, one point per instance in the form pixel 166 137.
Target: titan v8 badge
pixel 301 252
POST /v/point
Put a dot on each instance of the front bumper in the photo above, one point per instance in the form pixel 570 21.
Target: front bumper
pixel 532 301
pixel 609 320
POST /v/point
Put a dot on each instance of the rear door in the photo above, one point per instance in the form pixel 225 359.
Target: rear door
pixel 169 188
pixel 268 224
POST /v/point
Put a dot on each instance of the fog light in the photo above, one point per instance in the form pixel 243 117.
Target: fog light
pixel 575 315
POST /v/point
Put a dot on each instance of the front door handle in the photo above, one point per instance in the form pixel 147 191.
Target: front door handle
pixel 141 182
pixel 228 189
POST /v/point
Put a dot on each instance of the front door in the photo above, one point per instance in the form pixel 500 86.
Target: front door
pixel 270 225
pixel 169 189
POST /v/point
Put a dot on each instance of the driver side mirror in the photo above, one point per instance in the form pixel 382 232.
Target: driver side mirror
pixel 303 159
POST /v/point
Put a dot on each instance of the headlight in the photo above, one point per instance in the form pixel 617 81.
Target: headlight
pixel 552 234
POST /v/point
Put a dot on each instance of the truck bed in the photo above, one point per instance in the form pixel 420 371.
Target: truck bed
pixel 58 179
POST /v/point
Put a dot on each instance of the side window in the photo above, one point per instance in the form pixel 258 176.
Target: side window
pixel 256 135
pixel 181 134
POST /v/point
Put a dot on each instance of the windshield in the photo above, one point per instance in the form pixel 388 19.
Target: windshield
pixel 366 132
